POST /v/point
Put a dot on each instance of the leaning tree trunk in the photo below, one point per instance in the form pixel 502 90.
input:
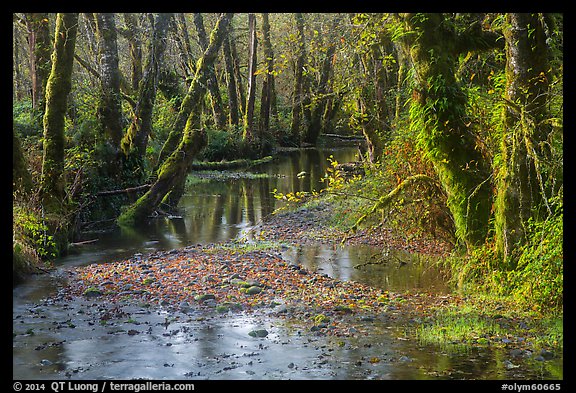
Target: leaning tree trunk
pixel 521 189
pixel 172 173
pixel 438 110
pixel 175 135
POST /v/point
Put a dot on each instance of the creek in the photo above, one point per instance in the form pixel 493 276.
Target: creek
pixel 52 340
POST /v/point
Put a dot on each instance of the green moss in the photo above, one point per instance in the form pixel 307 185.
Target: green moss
pixel 490 321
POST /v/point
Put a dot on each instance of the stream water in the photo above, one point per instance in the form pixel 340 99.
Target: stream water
pixel 52 340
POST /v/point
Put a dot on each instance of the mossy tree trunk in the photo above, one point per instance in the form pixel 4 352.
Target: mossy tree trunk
pixel 109 106
pixel 135 140
pixel 213 85
pixel 172 173
pixel 525 148
pixel 175 135
pixel 57 89
pixel 58 86
pixel 438 112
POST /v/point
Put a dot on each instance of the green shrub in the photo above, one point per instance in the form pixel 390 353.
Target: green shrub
pixel 539 276
pixel 28 229
pixel 537 279
pixel 27 122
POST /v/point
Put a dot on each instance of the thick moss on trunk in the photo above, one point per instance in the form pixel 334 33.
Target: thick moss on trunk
pixel 57 90
pixel 438 111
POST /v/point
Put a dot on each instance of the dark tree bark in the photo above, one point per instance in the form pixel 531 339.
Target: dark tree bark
pixel 173 171
pixel 57 89
pixel 136 138
pixel 109 110
pixel 252 66
pixel 297 92
pixel 213 86
pixel 20 90
pixel 231 85
pixel 237 74
pixel 132 33
pixel 314 127
pixel 183 41
pixel 21 179
pixel 268 81
pixel 521 185
pixel 39 47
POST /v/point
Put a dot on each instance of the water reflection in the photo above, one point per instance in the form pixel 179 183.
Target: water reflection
pixel 217 210
pixel 393 270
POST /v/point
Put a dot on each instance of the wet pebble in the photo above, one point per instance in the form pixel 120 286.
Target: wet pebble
pixel 253 290
pixel 204 297
pixel 281 309
pixel 258 333
pixel 184 307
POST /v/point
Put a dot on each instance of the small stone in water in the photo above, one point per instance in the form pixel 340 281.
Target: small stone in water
pixel 258 333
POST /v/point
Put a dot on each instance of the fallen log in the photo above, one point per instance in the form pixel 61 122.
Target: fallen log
pixel 124 191
pixel 75 244
pixel 234 164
